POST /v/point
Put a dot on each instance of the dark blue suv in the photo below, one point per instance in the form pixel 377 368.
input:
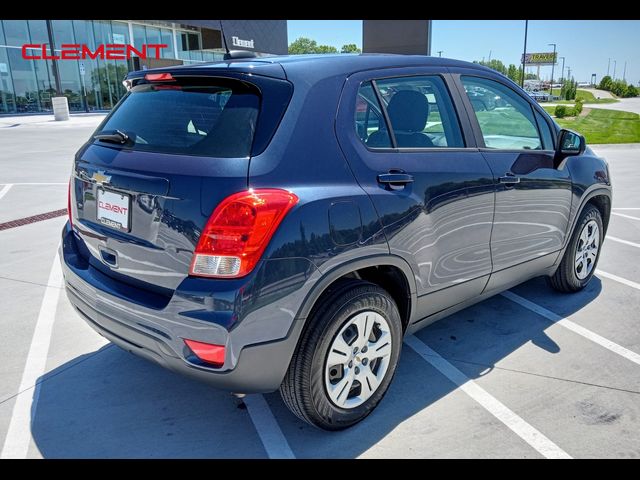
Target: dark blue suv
pixel 283 222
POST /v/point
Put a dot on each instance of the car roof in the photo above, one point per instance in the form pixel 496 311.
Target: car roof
pixel 324 65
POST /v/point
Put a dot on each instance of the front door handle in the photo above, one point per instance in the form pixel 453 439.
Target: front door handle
pixel 395 178
pixel 509 179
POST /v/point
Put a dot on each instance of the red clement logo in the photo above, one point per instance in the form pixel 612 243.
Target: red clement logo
pixel 77 51
pixel 112 207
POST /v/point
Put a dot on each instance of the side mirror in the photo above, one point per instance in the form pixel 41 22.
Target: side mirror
pixel 570 143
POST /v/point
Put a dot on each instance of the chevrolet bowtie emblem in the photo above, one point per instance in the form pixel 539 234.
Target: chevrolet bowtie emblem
pixel 100 178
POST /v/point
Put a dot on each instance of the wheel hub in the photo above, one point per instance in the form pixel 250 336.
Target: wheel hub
pixel 358 359
pixel 587 250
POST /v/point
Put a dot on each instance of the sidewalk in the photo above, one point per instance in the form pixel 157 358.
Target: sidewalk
pixel 75 119
pixel 625 105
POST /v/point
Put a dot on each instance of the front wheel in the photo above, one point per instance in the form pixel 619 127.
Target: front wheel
pixel 346 358
pixel 581 256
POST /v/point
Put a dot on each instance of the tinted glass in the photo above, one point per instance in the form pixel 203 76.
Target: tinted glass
pixel 214 120
pixel 545 132
pixel 506 119
pixel 370 125
pixel 421 112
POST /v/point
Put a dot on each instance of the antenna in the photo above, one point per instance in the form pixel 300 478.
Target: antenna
pixel 224 40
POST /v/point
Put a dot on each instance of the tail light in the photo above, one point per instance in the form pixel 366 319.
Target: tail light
pixel 69 211
pixel 159 77
pixel 238 232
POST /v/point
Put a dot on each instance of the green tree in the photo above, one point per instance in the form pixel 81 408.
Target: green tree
pixel 605 83
pixel 619 88
pixel 303 45
pixel 326 49
pixel 350 48
pixel 513 73
pixel 632 91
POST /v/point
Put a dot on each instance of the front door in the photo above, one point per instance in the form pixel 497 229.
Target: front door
pixel 433 190
pixel 533 195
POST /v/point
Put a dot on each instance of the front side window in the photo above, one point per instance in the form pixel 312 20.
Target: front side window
pixel 506 119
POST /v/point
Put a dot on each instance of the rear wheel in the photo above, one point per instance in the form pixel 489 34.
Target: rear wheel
pixel 346 358
pixel 581 256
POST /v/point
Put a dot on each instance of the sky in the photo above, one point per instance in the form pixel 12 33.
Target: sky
pixel 586 44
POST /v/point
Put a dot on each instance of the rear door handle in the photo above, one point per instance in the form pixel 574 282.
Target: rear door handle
pixel 509 178
pixel 395 178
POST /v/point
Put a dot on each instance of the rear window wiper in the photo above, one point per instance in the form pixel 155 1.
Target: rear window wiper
pixel 117 136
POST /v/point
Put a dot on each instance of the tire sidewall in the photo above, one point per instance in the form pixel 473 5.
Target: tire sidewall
pixel 590 213
pixel 376 301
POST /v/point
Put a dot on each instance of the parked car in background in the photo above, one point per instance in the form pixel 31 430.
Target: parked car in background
pixel 538 96
pixel 282 223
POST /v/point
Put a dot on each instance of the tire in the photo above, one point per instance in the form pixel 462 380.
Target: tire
pixel 314 386
pixel 569 277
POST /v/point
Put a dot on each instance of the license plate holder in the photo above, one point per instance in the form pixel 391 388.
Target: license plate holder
pixel 114 209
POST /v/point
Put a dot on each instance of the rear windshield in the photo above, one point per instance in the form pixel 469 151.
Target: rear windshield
pixel 217 119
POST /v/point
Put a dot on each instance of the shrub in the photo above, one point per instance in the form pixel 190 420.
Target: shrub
pixel 578 107
pixel 605 83
pixel 632 91
pixel 561 111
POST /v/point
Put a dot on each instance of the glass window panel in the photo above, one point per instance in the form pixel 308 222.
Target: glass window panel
pixel 167 39
pixel 24 81
pixel 505 118
pixel 370 125
pixel 16 32
pixel 139 35
pixel 7 98
pixel 38 31
pixel 421 112
pixel 62 32
pixel 120 32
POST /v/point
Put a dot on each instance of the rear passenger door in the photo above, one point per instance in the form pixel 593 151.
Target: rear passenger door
pixel 433 190
pixel 533 195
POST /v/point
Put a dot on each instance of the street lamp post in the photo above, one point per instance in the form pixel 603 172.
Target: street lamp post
pixel 552 67
pixel 614 69
pixel 440 52
pixel 624 72
pixel 562 76
pixel 608 65
pixel 524 53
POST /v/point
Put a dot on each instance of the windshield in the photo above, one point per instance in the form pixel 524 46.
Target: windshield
pixel 217 119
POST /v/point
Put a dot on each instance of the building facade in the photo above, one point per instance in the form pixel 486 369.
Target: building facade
pixel 26 86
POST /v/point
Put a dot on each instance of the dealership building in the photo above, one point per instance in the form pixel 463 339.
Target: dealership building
pixel 27 86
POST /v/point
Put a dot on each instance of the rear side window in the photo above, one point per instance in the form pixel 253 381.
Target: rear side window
pixel 370 124
pixel 421 112
pixel 217 119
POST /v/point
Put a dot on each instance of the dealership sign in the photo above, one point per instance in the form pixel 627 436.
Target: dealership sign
pixel 76 51
pixel 239 42
pixel 544 58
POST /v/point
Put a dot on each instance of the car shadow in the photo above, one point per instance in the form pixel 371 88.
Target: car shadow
pixel 111 404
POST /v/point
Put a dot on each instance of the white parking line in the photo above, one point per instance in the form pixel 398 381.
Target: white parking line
pixel 18 439
pixel 5 190
pixel 38 183
pixel 272 438
pixel 496 408
pixel 574 327
pixel 616 278
pixel 626 242
pixel 625 216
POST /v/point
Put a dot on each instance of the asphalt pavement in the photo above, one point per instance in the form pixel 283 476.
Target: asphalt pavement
pixel 528 374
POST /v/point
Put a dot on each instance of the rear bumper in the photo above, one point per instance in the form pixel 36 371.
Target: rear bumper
pixel 157 334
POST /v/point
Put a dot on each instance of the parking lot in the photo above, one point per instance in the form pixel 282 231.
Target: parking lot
pixel 528 374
